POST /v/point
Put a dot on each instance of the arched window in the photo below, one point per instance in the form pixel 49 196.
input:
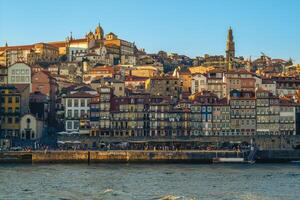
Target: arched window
pixel 28 120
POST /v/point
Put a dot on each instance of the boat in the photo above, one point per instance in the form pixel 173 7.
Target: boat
pixel 228 160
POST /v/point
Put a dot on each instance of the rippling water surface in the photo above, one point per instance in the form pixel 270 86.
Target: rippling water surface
pixel 163 181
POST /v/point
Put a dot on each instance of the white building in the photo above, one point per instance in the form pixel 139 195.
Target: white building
pixel 19 73
pixel 31 128
pixel 77 109
pixel 199 83
pixel 77 47
pixel 269 85
pixel 287 118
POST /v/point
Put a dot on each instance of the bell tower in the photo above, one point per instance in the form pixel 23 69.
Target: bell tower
pixel 230 50
pixel 99 33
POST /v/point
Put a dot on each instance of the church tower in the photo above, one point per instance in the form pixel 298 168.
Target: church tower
pixel 99 33
pixel 230 50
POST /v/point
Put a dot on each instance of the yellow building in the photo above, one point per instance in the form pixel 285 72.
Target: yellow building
pixel 43 52
pixel 185 81
pixel 200 69
pixel 126 48
pixel 142 71
pixel 40 52
pixel 10 103
pixel 298 68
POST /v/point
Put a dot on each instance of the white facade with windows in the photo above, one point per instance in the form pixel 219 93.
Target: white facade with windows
pixel 75 110
pixel 287 120
pixel 19 73
pixel 31 128
pixel 199 83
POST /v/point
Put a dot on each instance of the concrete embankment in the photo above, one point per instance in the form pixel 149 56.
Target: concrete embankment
pixel 278 156
pixel 159 156
pixel 141 156
pixel 116 156
pixel 15 157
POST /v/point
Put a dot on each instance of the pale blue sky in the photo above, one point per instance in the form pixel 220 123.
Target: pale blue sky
pixel 191 27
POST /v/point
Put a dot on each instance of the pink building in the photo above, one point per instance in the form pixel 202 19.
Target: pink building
pixel 45 83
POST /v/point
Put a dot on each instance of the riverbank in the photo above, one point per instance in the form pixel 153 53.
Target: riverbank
pixel 133 156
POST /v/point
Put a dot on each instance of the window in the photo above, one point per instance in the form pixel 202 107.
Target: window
pixel 209 117
pixel 82 103
pixel 69 102
pixel 69 113
pixel 17 99
pixel 76 125
pixel 9 99
pixel 81 112
pixel 76 113
pixel 9 120
pixel 75 102
pixel 208 109
pixel 69 125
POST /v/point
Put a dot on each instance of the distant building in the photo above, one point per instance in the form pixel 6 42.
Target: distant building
pixel 77 108
pixel 14 102
pixel 230 50
pixel 198 83
pixel 98 72
pixel 243 112
pixel 3 74
pixel 31 128
pixel 19 73
pixel 45 83
pixel 126 48
pixel 117 85
pixel 164 86
pixel 30 54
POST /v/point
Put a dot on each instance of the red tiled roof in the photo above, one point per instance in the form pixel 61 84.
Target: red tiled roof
pixel 284 101
pixel 80 95
pixel 241 71
pixel 79 40
pixel 102 68
pixel 25 47
pixel 164 78
pixel 135 78
pixel 58 44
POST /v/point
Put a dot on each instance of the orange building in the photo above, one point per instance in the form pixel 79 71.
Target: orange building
pixel 185 81
pixel 98 72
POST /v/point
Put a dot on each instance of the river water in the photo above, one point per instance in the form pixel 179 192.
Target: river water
pixel 151 181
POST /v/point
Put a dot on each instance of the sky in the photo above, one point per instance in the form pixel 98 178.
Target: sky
pixel 190 27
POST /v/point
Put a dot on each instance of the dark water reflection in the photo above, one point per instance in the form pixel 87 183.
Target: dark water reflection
pixel 121 181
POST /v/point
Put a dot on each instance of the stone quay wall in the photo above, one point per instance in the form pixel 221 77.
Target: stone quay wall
pixel 121 156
